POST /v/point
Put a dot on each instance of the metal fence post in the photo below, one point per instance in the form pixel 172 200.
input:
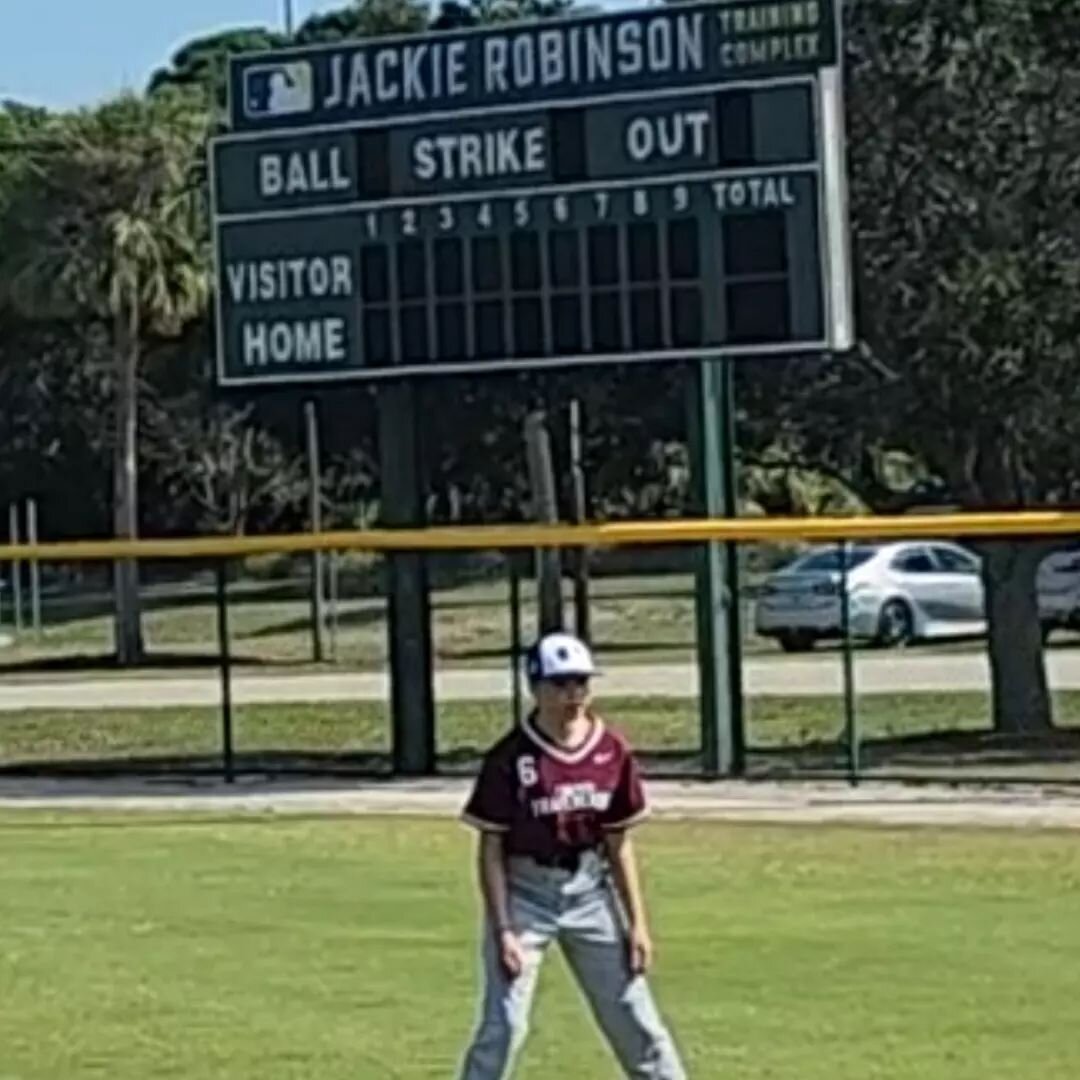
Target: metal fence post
pixel 333 571
pixel 16 569
pixel 224 665
pixel 515 633
pixel 851 725
pixel 35 566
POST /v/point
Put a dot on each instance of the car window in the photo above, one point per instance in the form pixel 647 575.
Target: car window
pixel 955 562
pixel 1061 562
pixel 915 561
pixel 830 560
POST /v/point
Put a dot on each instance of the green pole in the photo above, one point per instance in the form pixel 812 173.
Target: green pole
pixel 718 654
pixel 412 692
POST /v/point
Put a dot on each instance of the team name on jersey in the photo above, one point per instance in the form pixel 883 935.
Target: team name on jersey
pixel 569 797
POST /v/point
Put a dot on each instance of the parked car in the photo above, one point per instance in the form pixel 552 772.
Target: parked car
pixel 899 592
pixel 1058 584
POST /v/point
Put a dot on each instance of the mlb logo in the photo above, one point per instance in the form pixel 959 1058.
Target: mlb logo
pixel 278 89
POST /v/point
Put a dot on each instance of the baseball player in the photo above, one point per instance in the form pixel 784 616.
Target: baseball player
pixel 553 802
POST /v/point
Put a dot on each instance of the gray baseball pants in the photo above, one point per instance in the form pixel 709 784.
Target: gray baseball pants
pixel 579 910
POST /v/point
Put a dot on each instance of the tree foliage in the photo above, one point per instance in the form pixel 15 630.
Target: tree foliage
pixel 105 231
pixel 964 153
pixel 366 18
pixel 110 215
pixel 201 66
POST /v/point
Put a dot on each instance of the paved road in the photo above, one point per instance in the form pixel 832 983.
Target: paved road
pixel 878 673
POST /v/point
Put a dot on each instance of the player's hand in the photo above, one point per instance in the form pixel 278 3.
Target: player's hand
pixel 641 950
pixel 511 953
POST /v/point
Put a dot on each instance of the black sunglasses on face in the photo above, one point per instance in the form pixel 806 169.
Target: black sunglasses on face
pixel 564 681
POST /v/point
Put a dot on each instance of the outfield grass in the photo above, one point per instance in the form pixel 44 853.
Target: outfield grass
pixel 364 726
pixel 901 727
pixel 274 949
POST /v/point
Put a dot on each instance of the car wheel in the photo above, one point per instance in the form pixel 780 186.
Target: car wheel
pixel 796 641
pixel 896 624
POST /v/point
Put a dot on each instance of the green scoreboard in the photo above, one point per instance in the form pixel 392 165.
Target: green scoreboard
pixel 659 184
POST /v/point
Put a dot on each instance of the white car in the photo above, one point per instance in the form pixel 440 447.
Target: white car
pixel 899 592
pixel 1058 585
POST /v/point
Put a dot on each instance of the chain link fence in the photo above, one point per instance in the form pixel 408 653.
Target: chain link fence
pixel 858 660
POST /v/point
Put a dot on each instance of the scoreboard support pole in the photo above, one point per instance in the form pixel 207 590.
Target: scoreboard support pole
pixel 412 694
pixel 717 593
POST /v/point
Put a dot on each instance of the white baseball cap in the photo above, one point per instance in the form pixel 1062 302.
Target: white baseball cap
pixel 557 656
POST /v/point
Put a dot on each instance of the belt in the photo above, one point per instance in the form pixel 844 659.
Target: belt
pixel 564 860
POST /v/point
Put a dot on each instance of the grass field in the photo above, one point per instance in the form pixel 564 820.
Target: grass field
pixel 916 729
pixel 281 949
pixel 649 615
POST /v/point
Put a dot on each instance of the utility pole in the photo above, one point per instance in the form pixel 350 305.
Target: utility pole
pixel 545 510
pixel 581 554
pixel 318 576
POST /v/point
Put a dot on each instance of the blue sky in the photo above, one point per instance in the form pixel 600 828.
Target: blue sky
pixel 65 53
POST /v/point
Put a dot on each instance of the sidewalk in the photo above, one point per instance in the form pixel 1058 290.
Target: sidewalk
pixel 884 804
pixel 816 676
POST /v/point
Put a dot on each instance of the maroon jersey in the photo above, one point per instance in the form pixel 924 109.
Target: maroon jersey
pixel 549 801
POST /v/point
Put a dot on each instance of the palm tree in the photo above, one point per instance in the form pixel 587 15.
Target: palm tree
pixel 110 233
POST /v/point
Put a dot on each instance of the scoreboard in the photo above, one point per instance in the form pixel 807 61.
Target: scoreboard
pixel 644 186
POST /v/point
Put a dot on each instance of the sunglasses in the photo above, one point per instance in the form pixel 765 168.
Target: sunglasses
pixel 564 682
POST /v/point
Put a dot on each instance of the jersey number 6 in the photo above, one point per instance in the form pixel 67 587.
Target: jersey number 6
pixel 526 770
